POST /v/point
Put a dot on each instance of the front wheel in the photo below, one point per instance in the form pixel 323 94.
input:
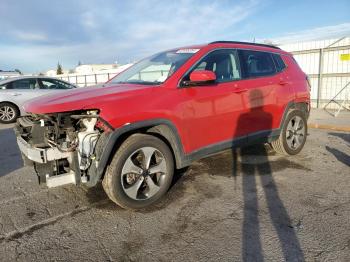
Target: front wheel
pixel 293 134
pixel 8 113
pixel 140 172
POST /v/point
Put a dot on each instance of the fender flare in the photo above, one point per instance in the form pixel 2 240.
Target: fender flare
pixel 302 106
pixel 108 145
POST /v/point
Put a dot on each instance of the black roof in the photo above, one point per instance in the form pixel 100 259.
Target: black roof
pixel 244 43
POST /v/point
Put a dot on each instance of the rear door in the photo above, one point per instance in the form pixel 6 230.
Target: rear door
pixel 263 101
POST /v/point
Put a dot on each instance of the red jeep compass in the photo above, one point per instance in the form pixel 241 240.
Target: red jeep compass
pixel 163 113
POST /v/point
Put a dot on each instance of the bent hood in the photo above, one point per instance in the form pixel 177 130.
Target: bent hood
pixel 81 98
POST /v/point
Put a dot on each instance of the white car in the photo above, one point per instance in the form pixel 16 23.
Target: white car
pixel 15 91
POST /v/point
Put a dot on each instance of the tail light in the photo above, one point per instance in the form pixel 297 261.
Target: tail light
pixel 308 82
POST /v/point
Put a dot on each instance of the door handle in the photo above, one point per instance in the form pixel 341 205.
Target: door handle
pixel 283 82
pixel 15 94
pixel 240 90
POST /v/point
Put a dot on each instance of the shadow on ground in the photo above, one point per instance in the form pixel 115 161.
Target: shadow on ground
pixel 257 118
pixel 344 136
pixel 10 157
pixel 339 155
pixel 97 194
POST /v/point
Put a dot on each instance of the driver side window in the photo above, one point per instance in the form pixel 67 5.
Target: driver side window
pixel 224 63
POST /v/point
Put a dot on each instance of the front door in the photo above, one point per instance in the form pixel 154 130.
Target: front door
pixel 52 86
pixel 211 111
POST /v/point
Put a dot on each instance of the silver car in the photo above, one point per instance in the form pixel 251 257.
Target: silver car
pixel 15 91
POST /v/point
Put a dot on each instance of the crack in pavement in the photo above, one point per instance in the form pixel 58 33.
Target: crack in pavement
pixel 16 234
pixel 332 249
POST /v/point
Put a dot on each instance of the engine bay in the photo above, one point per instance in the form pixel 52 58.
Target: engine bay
pixel 60 146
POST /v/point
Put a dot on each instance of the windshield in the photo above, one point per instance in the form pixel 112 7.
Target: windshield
pixel 155 69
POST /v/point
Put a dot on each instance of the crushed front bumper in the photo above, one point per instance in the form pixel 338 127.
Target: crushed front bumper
pixel 40 155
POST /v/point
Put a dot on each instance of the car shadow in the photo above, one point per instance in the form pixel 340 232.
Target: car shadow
pixel 252 168
pixel 97 194
pixel 339 155
pixel 10 156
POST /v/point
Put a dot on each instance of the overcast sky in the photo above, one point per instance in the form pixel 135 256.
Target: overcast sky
pixel 36 34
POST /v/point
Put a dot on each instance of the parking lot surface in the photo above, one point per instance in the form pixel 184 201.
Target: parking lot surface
pixel 249 204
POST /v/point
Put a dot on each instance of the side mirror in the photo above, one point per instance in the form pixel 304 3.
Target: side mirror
pixel 201 77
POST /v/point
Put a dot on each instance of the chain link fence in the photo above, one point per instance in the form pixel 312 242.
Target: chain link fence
pixel 328 68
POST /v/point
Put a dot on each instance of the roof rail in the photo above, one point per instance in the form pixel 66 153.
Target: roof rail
pixel 244 43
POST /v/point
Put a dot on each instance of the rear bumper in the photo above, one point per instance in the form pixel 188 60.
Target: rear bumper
pixel 40 155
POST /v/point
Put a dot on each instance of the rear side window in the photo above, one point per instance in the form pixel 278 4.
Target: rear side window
pixel 256 63
pixel 22 84
pixel 280 65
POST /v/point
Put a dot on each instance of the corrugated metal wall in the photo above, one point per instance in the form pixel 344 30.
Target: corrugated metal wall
pixel 328 71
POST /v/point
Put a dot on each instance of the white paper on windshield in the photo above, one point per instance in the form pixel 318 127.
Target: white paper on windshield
pixel 187 51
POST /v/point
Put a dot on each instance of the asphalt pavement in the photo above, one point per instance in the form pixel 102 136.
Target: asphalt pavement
pixel 249 205
pixel 320 118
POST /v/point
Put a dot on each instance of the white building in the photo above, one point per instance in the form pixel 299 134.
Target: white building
pixel 6 74
pixel 94 68
pixel 51 73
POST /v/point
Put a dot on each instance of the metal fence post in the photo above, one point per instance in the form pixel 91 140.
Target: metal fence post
pixel 320 78
pixel 95 79
pixel 85 80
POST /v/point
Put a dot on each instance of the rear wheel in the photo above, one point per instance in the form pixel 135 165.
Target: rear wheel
pixel 293 134
pixel 140 172
pixel 8 113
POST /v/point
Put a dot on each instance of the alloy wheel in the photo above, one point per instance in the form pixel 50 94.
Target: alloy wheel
pixel 295 133
pixel 7 113
pixel 143 173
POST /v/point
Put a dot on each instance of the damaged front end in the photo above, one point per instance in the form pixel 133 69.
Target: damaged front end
pixel 61 146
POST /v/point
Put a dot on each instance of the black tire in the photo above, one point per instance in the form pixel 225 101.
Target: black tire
pixel 281 145
pixel 8 113
pixel 114 181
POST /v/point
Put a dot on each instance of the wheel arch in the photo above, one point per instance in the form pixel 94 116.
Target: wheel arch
pixel 109 144
pixel 302 106
pixel 170 136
